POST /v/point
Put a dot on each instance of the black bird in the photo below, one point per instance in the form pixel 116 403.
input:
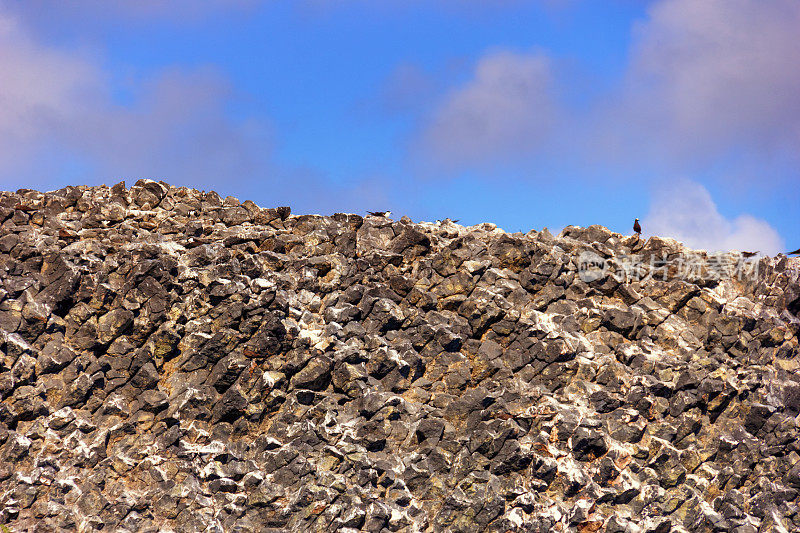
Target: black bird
pixel 636 227
pixel 379 213
pixel 750 254
pixel 796 252
pixel 284 212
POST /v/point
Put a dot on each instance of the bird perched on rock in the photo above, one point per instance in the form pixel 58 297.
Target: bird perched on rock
pixel 284 212
pixel 636 227
pixel 796 252
pixel 379 213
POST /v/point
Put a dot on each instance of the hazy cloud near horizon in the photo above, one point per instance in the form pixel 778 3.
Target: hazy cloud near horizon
pixel 42 89
pixel 176 124
pixel 685 211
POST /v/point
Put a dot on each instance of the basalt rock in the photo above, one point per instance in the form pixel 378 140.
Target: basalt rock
pixel 174 361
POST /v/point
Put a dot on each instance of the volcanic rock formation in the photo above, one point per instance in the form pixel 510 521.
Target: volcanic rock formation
pixel 174 361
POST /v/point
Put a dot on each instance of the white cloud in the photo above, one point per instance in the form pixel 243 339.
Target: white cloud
pixel 505 110
pixel 716 74
pixel 59 103
pixel 684 210
pixel 41 88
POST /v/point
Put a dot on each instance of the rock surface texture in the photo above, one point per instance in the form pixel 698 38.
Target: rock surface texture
pixel 174 361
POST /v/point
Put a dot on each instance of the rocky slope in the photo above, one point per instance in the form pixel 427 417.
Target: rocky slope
pixel 173 361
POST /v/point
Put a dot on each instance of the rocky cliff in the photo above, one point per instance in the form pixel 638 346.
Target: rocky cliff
pixel 174 361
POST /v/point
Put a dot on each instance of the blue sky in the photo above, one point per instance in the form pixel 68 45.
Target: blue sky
pixel 683 113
